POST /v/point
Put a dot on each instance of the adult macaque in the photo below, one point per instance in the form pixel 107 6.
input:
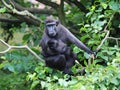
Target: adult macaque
pixel 55 54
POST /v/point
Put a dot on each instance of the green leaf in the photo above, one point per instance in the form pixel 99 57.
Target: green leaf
pixel 11 68
pixel 76 49
pixel 104 5
pixel 43 84
pixel 118 76
pixel 55 77
pixel 105 57
pixel 118 54
pixel 111 52
pixel 114 6
pixel 3 57
pixel 26 37
pixel 103 87
pixel 2 65
pixel 86 55
pixel 62 82
pixel 93 8
pixel 35 83
pixel 115 81
pixel 87 25
pixel 101 16
pixel 3 10
pixel 89 14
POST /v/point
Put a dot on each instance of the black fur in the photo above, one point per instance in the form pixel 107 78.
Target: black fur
pixel 57 54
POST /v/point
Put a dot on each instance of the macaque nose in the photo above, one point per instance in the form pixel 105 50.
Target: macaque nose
pixel 52 34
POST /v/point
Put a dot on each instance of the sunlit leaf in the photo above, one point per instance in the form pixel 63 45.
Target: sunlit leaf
pixel 114 6
pixel 34 84
pixel 62 82
pixel 3 10
pixel 105 57
pixel 104 5
pixel 115 81
pixel 76 49
pixel 43 84
pixel 11 68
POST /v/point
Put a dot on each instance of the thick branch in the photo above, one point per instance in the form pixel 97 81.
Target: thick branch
pixel 20 20
pixel 78 4
pixel 26 16
pixel 10 20
pixel 28 20
pixel 61 13
pixel 42 11
pixel 34 10
pixel 49 3
pixel 19 47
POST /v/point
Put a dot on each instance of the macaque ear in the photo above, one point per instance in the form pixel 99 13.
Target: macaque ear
pixel 57 22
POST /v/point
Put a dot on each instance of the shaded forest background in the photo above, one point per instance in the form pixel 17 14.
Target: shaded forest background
pixel 95 22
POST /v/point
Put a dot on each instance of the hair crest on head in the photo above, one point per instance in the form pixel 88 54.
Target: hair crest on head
pixel 52 20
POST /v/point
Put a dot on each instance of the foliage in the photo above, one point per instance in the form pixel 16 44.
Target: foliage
pixel 13 81
pixel 103 78
pixel 31 35
pixel 2 10
pixel 20 70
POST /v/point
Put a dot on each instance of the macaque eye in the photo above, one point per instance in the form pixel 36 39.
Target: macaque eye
pixel 50 26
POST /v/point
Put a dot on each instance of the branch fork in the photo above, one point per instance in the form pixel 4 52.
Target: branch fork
pixel 19 47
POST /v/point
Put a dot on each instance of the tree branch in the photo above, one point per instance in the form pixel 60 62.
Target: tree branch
pixel 107 35
pixel 99 47
pixel 28 20
pixel 26 16
pixel 42 11
pixel 116 39
pixel 10 20
pixel 49 3
pixel 61 13
pixel 19 47
pixel 113 38
pixel 78 4
pixel 34 10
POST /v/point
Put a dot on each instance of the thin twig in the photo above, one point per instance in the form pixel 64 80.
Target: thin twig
pixel 108 22
pixel 116 39
pixel 107 35
pixel 99 47
pixel 19 47
pixel 91 60
pixel 4 43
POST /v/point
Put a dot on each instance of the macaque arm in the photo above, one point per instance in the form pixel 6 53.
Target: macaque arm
pixel 76 41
